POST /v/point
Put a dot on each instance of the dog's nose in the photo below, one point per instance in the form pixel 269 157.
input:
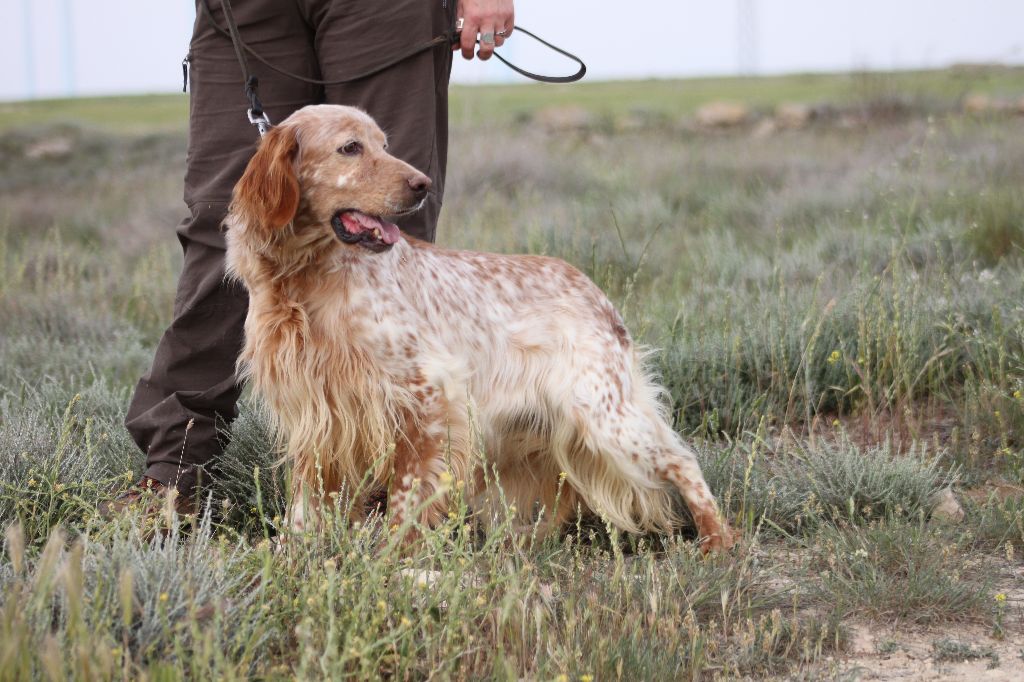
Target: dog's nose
pixel 419 184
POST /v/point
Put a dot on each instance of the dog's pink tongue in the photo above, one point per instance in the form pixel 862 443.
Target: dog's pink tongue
pixel 356 222
pixel 389 232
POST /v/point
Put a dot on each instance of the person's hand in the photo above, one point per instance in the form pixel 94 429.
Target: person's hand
pixel 491 19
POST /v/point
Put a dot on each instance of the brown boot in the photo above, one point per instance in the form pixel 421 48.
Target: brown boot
pixel 150 496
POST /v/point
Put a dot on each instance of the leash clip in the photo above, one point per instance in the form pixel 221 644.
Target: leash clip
pixel 262 122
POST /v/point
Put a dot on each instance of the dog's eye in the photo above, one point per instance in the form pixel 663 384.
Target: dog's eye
pixel 352 148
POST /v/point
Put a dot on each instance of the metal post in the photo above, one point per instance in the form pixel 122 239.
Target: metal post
pixel 746 37
pixel 30 49
pixel 68 48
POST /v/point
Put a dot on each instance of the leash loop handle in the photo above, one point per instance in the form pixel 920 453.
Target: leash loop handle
pixel 580 73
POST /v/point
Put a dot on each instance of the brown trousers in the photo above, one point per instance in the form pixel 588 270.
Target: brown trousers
pixel 189 395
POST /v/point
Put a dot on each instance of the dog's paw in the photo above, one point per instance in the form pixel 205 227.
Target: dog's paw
pixel 421 577
pixel 722 540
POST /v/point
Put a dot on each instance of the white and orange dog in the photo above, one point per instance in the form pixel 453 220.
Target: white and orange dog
pixel 385 357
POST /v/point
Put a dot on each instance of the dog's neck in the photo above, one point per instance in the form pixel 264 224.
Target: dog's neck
pixel 311 255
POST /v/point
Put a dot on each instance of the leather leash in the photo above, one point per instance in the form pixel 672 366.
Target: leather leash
pixel 258 117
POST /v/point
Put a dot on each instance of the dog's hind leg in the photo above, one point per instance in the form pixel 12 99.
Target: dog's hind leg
pixel 640 455
pixel 677 465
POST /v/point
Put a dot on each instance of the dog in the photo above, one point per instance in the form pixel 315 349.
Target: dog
pixel 388 359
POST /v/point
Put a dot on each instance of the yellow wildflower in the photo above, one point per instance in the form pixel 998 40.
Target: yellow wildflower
pixel 834 357
pixel 164 597
pixel 1000 598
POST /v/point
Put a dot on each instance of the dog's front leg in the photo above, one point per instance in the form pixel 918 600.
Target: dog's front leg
pixel 416 492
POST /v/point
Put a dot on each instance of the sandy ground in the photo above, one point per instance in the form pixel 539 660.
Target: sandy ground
pixel 879 651
pixel 900 653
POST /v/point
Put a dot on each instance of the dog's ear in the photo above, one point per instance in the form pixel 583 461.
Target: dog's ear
pixel 268 193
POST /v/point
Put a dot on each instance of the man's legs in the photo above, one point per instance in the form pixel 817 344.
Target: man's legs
pixel 191 385
pixel 190 389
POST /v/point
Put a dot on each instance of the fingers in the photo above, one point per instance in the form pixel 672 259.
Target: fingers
pixel 500 34
pixel 468 37
pixel 486 19
pixel 488 42
pixel 506 24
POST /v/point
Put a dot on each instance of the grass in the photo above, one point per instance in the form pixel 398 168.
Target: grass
pixel 952 650
pixel 898 571
pixel 837 312
pixel 661 99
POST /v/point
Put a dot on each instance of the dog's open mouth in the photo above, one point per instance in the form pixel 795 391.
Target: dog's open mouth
pixel 370 232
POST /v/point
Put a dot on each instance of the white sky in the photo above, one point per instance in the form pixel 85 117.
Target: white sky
pixel 128 46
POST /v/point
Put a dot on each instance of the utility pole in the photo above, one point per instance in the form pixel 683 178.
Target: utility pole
pixel 746 37
pixel 67 48
pixel 30 49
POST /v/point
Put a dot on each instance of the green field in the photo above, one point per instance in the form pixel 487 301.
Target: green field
pixel 505 103
pixel 838 313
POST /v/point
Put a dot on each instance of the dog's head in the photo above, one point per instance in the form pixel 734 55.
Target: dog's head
pixel 326 168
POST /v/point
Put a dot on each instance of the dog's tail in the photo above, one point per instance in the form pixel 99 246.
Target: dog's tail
pixel 609 460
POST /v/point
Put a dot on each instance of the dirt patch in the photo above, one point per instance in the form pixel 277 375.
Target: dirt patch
pixel 958 651
pixel 896 652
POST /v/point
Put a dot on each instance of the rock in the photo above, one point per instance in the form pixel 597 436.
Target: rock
pixel 981 105
pixel 947 509
pixel 630 123
pixel 722 114
pixel 564 118
pixel 53 148
pixel 764 128
pixel 977 104
pixel 640 119
pixel 793 115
